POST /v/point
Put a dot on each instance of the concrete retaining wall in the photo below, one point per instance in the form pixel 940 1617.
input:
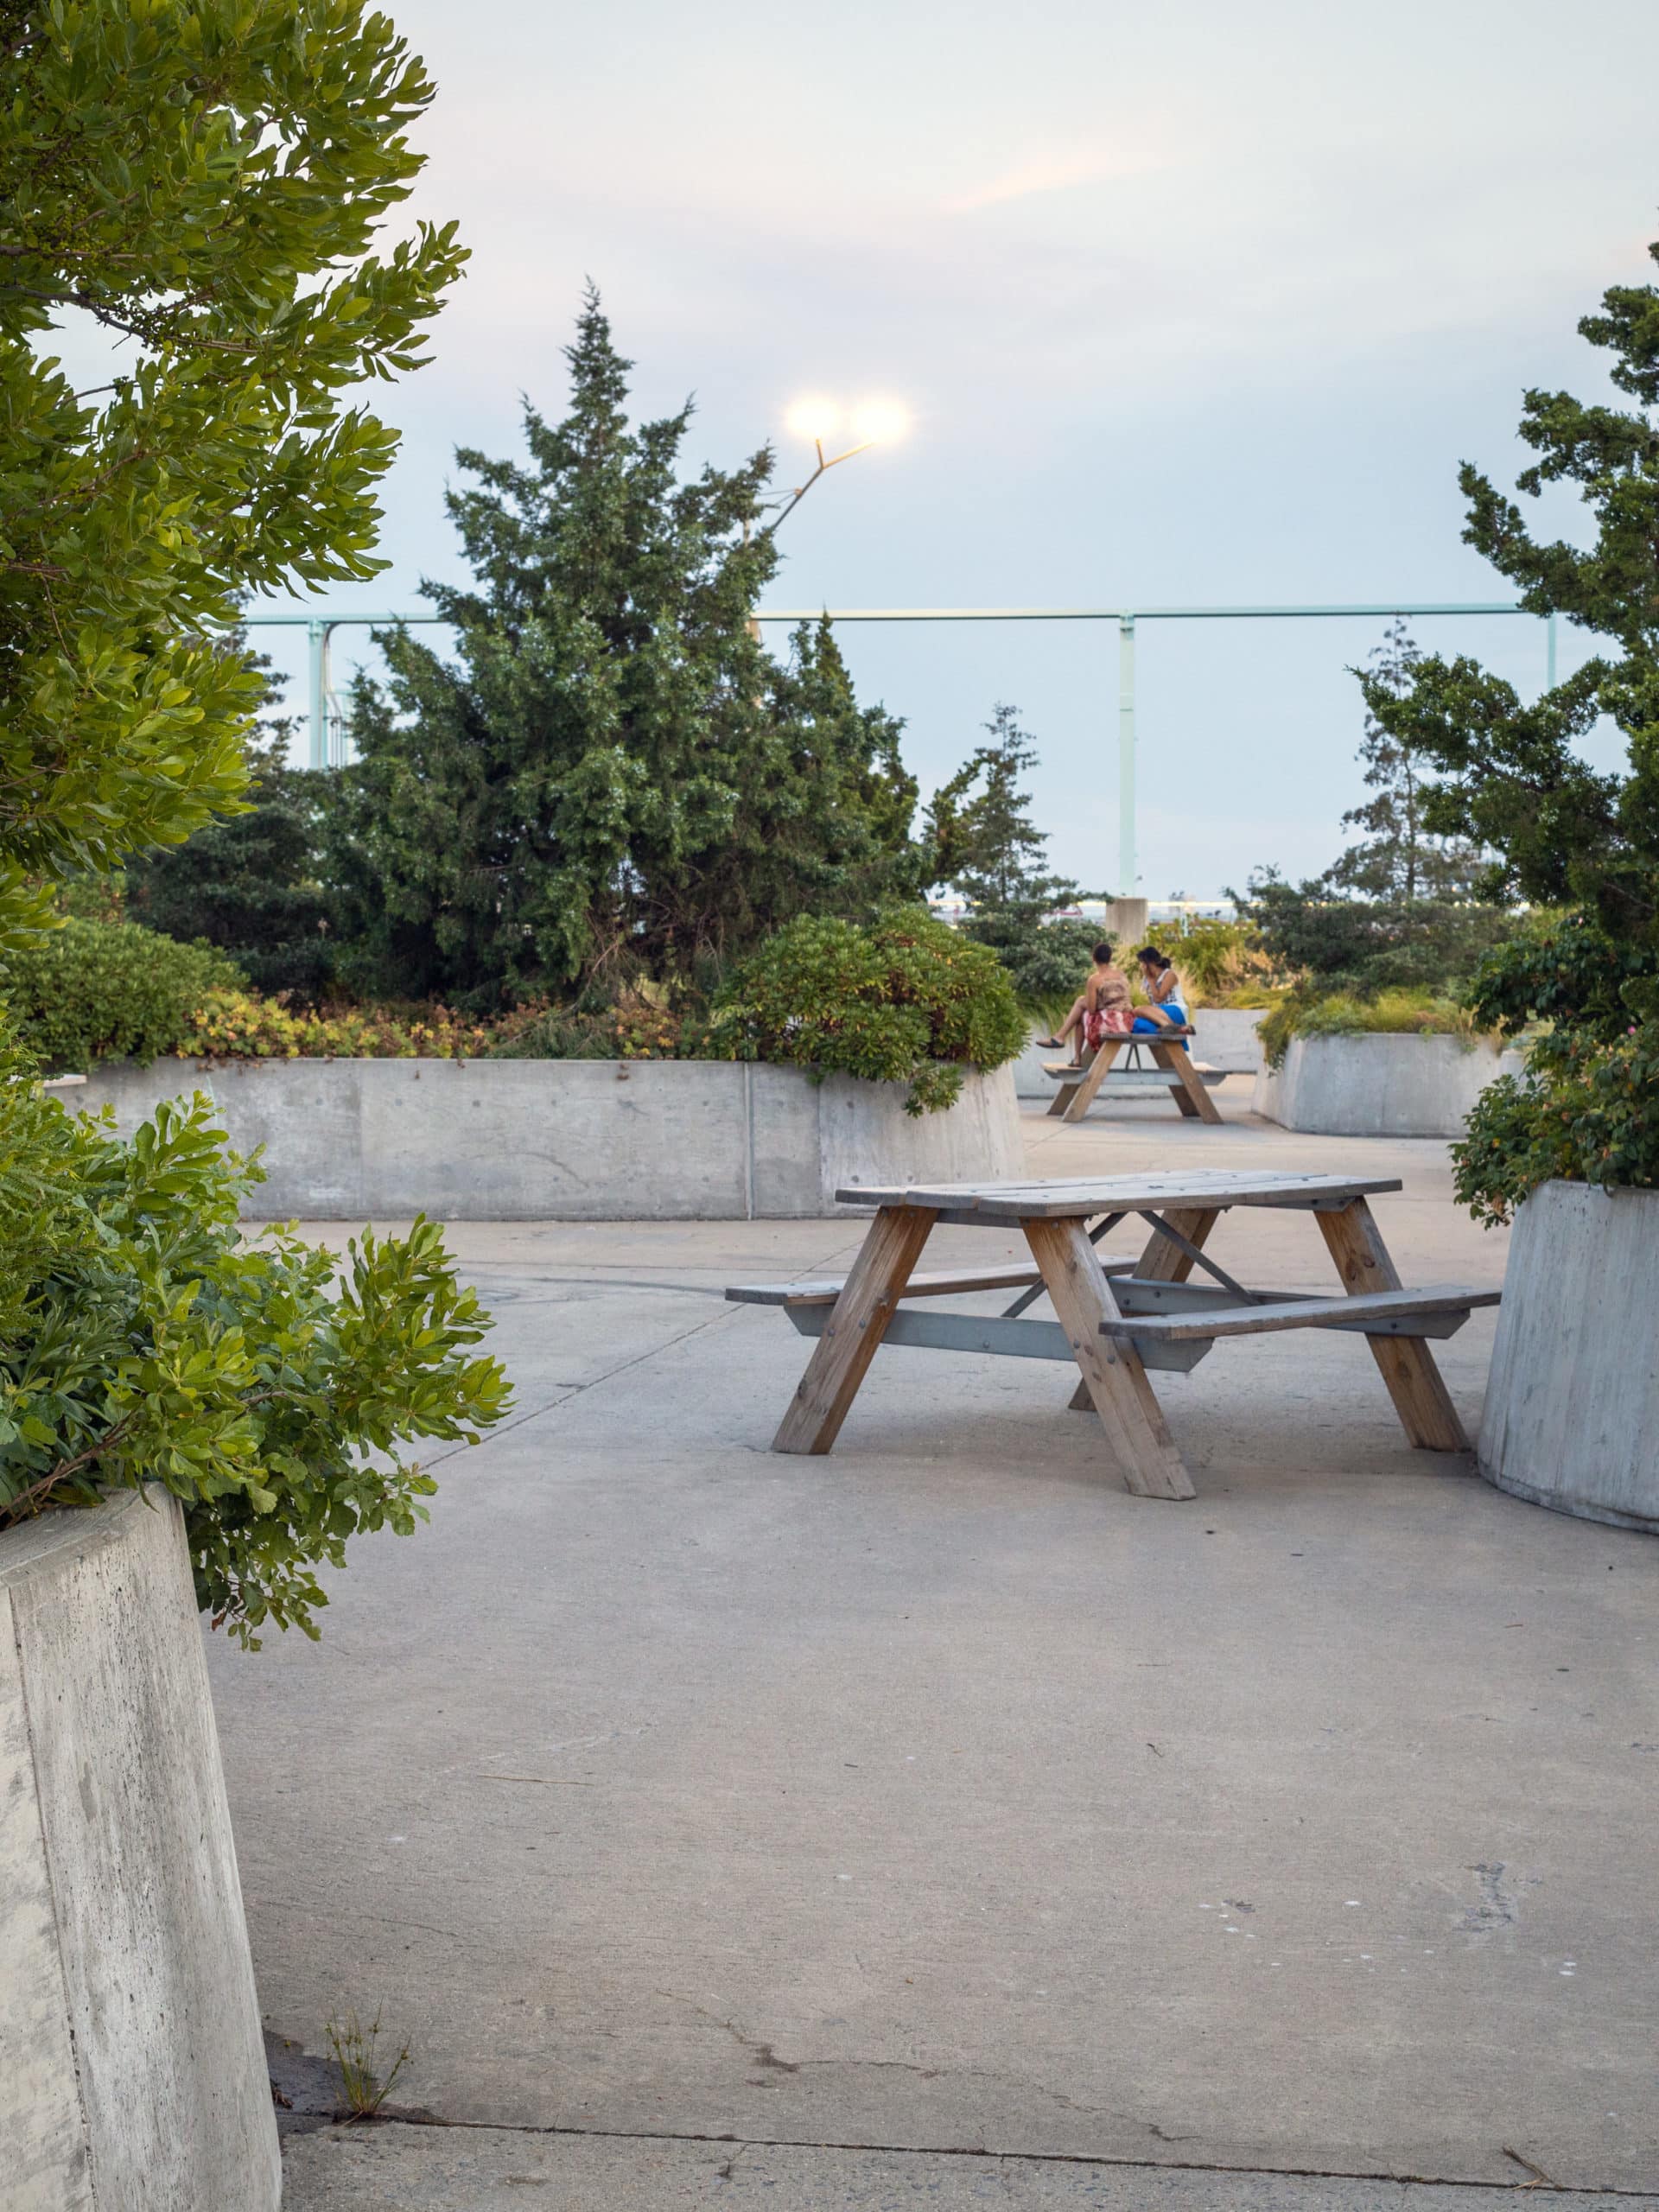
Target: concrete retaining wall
pixel 132 2072
pixel 574 1140
pixel 1571 1415
pixel 1380 1086
pixel 1226 1038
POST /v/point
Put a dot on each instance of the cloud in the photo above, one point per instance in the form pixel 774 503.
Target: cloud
pixel 1049 172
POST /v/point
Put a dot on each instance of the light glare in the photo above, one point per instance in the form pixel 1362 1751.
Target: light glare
pixel 816 418
pixel 879 421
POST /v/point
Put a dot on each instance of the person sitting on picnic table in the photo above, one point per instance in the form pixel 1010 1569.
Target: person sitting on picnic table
pixel 1100 1009
pixel 1165 1008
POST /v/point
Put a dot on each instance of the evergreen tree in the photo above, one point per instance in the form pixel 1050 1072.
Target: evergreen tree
pixel 248 884
pixel 611 773
pixel 1398 859
pixel 985 845
pixel 979 827
pixel 1564 834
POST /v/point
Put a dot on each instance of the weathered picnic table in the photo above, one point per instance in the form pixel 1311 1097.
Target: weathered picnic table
pixel 1116 1317
pixel 1187 1081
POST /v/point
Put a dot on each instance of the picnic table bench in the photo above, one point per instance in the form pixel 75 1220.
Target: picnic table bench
pixel 1116 1317
pixel 1187 1081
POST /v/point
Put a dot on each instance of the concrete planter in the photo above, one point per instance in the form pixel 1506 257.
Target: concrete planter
pixel 574 1140
pixel 1571 1415
pixel 1380 1086
pixel 1226 1038
pixel 134 2071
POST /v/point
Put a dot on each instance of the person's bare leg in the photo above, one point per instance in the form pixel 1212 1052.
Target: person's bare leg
pixel 1073 1021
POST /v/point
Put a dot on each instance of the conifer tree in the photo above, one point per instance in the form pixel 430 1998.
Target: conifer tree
pixel 985 844
pixel 1565 834
pixel 979 826
pixel 250 884
pixel 1398 859
pixel 612 774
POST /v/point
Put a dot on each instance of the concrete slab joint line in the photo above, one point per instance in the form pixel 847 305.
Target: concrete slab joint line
pixel 405 2154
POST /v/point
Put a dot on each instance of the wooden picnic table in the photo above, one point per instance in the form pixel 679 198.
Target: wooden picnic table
pixel 1116 1317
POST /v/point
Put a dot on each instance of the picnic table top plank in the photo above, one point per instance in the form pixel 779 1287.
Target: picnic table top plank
pixel 1057 1200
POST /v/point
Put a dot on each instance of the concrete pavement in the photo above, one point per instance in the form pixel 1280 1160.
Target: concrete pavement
pixel 938 1797
pixel 400 2168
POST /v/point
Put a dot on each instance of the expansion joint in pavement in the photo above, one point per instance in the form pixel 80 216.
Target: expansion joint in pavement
pixel 1556 2191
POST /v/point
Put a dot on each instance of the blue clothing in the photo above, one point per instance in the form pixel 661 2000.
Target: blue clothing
pixel 1145 1027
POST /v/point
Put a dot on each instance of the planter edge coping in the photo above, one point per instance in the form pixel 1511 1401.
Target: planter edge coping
pixel 25 1547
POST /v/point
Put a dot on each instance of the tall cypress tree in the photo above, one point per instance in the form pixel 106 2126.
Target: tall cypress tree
pixel 611 773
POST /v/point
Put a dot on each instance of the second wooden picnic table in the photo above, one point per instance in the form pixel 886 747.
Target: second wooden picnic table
pixel 1116 1317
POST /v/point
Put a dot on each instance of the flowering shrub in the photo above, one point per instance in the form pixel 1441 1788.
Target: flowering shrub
pixel 903 1000
pixel 231 1025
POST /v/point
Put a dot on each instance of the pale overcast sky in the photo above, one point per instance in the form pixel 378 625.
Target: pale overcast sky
pixel 1197 303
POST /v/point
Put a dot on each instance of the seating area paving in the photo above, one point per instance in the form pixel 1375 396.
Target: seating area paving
pixel 936 1822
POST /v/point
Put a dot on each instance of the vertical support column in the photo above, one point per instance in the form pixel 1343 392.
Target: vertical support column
pixel 334 722
pixel 1127 868
pixel 317 631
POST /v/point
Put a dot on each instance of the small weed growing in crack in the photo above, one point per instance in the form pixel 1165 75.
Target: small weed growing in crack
pixel 354 2047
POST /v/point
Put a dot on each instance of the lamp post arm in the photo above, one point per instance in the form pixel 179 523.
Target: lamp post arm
pixel 822 469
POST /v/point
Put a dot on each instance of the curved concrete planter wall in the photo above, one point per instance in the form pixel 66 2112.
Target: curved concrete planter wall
pixel 134 2069
pixel 574 1140
pixel 1572 1416
pixel 1380 1086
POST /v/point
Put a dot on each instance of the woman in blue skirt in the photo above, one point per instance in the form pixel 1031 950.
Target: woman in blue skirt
pixel 1164 1009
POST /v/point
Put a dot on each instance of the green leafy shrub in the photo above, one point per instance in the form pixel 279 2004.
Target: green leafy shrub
pixel 1583 1112
pixel 269 1389
pixel 1045 961
pixel 1391 1013
pixel 903 1000
pixel 208 184
pixel 1362 946
pixel 94 991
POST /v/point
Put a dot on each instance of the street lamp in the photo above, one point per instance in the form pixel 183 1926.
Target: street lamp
pixel 873 422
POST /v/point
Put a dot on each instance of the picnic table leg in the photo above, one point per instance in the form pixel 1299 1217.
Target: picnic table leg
pixel 1415 1384
pixel 1191 1096
pixel 1112 1372
pixel 1163 1261
pixel 856 1325
pixel 1083 1096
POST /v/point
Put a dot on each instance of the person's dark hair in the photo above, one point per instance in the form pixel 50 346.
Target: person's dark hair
pixel 1149 956
pixel 1103 952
